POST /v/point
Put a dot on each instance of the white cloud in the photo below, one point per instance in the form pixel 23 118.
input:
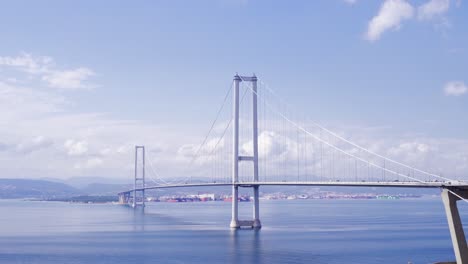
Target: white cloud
pixel 93 162
pixel 28 63
pixel 200 154
pixel 35 144
pixel 455 88
pixel 432 9
pixel 272 146
pixel 45 68
pixel 22 102
pixel 76 148
pixel 105 151
pixel 89 163
pixel 72 79
pixel 390 16
pixel 124 149
pixel 409 148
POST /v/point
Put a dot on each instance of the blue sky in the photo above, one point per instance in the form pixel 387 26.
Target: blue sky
pixel 162 67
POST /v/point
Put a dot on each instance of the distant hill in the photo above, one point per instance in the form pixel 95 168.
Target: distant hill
pixel 104 188
pixel 25 188
pixel 83 182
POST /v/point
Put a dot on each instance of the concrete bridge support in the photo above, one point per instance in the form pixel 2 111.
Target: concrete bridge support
pixel 455 224
pixel 123 198
pixel 235 207
pixel 235 222
pixel 256 209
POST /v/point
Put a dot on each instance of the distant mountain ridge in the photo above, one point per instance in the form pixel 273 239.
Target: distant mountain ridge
pixel 82 182
pixel 26 188
pixel 54 188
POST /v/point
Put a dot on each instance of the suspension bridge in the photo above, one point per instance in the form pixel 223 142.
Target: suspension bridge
pixel 270 145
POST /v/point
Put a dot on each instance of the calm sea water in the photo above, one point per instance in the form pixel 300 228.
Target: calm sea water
pixel 299 231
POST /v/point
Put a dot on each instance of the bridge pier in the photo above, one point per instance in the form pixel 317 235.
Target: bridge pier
pixel 256 208
pixel 235 207
pixel 455 224
pixel 123 198
pixel 235 222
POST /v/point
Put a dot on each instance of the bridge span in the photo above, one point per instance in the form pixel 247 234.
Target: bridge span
pixel 318 156
pixel 449 185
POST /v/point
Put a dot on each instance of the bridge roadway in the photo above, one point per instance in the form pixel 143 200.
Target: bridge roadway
pixel 407 184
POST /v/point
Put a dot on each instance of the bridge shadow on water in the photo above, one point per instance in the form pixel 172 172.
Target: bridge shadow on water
pixel 246 246
pixel 139 217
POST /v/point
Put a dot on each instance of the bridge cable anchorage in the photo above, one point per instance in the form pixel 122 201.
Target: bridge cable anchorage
pixel 354 144
pixel 336 148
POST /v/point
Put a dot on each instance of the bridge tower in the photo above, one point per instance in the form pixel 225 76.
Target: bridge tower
pixel 139 181
pixel 235 223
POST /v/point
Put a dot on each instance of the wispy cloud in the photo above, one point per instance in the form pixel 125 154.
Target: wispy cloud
pixel 42 130
pixel 455 88
pixel 75 147
pixel 391 14
pixel 34 144
pixel 70 79
pixel 17 102
pixel 90 163
pixel 45 68
pixel 28 63
pixel 433 9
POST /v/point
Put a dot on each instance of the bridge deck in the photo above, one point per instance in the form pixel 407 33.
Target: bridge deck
pixel 434 184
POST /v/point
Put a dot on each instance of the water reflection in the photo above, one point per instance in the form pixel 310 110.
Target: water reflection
pixel 138 218
pixel 339 232
pixel 246 246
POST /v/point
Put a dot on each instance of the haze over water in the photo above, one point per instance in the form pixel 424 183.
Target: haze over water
pixel 300 231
